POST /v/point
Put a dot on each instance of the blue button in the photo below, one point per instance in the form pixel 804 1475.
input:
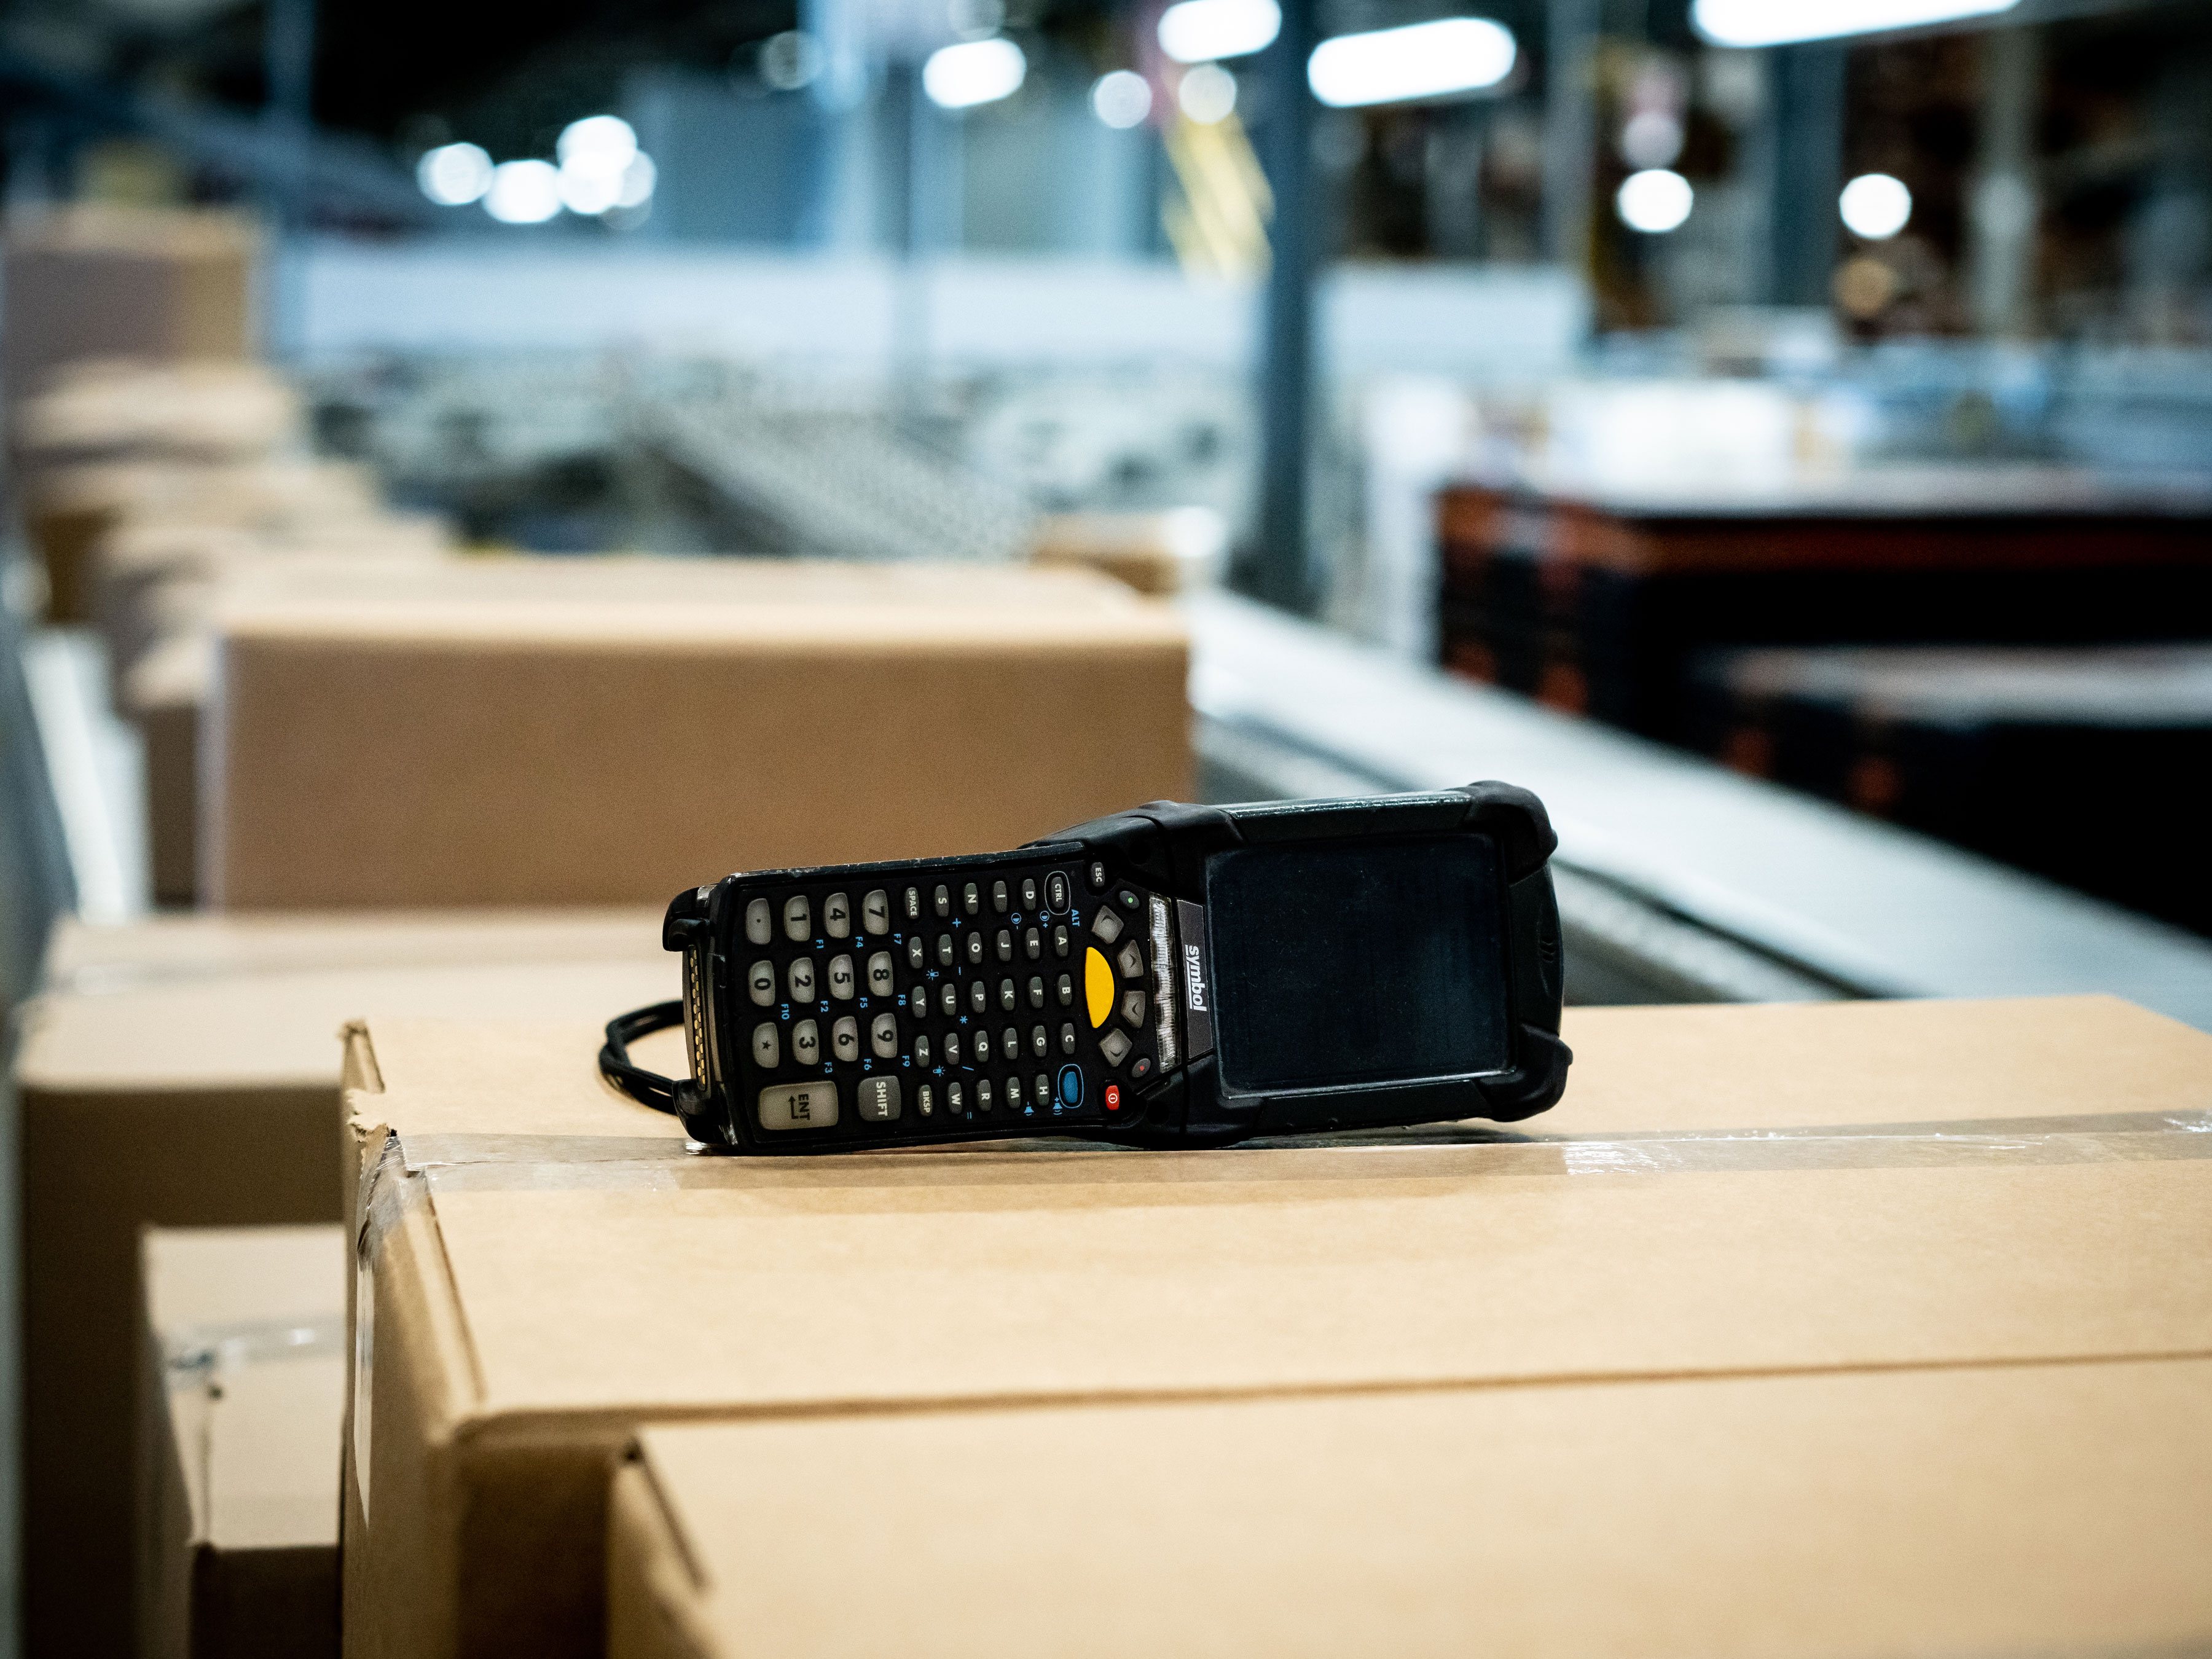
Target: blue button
pixel 1071 1086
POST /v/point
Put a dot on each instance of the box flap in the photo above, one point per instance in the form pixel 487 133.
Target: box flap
pixel 281 1028
pixel 641 601
pixel 1789 1065
pixel 2053 1509
pixel 210 944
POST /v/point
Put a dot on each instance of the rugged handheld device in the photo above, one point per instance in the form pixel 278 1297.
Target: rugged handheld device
pixel 1172 976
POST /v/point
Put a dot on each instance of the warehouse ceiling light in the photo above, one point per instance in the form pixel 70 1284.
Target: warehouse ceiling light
pixel 523 192
pixel 1777 22
pixel 453 175
pixel 1121 99
pixel 973 72
pixel 596 146
pixel 1421 60
pixel 1653 201
pixel 1875 206
pixel 1200 31
pixel 1207 94
pixel 599 162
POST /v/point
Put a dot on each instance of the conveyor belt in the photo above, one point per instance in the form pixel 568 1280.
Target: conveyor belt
pixel 1679 880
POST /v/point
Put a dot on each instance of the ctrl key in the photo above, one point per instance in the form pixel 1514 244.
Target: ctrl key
pixel 799 1106
pixel 879 1099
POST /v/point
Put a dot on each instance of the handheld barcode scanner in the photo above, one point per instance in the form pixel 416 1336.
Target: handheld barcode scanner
pixel 1172 976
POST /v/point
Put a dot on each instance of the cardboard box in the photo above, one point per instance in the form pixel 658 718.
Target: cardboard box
pixel 244 1374
pixel 203 411
pixel 601 731
pixel 2044 1509
pixel 157 596
pixel 101 281
pixel 542 1269
pixel 152 581
pixel 163 694
pixel 184 1072
pixel 1158 553
pixel 72 508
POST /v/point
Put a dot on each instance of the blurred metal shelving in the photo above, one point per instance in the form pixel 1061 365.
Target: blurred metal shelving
pixel 1678 880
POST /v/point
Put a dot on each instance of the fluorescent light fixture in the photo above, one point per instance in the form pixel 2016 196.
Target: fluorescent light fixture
pixel 1421 60
pixel 523 192
pixel 1875 206
pixel 1200 31
pixel 1778 22
pixel 1653 201
pixel 973 72
pixel 453 175
pixel 1207 94
pixel 1122 98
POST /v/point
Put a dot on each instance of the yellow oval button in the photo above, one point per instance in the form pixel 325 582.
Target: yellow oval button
pixel 1098 987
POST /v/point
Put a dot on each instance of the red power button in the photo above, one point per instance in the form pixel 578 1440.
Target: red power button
pixel 1113 1097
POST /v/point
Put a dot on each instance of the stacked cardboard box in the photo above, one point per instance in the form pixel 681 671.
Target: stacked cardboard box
pixel 99 282
pixel 612 731
pixel 283 501
pixel 184 1071
pixel 243 1376
pixel 1739 1223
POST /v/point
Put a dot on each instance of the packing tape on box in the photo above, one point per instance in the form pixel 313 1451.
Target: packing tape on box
pixel 405 1178
pixel 203 1350
pixel 522 1162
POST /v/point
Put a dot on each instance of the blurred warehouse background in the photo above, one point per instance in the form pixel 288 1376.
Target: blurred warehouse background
pixel 1783 432
pixel 1777 432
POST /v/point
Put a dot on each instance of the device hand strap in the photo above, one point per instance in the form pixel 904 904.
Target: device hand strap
pixel 646 1088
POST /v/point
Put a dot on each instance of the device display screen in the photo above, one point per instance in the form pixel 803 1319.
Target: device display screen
pixel 1360 963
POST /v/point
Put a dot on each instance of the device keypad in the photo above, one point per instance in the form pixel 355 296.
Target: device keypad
pixel 860 992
